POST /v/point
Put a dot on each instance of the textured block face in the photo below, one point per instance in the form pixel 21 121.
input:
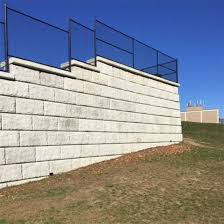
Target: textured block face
pixel 37 169
pixel 9 138
pixel 60 166
pixel 26 106
pixel 20 155
pixel 7 104
pixel 58 138
pixel 11 88
pixel 48 153
pixel 89 150
pixel 73 85
pixel 41 92
pixel 68 124
pixel 45 123
pixel 55 109
pixel 33 138
pixel 25 74
pixel 2 156
pixel 10 173
pixel 16 122
pixel 64 96
pixel 70 151
pixel 52 80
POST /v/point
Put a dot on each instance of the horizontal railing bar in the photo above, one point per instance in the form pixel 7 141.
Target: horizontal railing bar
pixel 169 74
pixel 160 65
pixel 2 22
pixel 115 29
pixel 80 24
pixel 41 21
pixel 167 68
pixel 146 45
pixel 149 67
pixel 114 46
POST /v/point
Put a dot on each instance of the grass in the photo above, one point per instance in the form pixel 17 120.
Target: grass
pixel 179 184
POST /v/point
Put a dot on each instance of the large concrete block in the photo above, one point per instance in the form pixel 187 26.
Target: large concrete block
pixel 48 153
pixel 60 166
pixel 89 150
pixel 25 74
pixel 92 88
pixel 9 138
pixel 97 137
pixel 37 169
pixel 112 137
pixel 13 88
pixel 2 156
pixel 64 96
pixel 7 104
pixel 105 68
pixel 94 101
pixel 16 122
pixel 3 185
pixel 19 155
pixel 41 92
pixel 68 124
pixel 122 105
pixel 78 137
pixel 51 80
pixel 10 173
pixel 86 161
pixel 78 72
pixel 73 84
pixel 33 138
pixel 26 106
pixel 59 138
pixel 45 123
pixel 75 164
pixel 70 151
pixel 55 109
pixel 99 78
pixel 110 149
pixel 91 125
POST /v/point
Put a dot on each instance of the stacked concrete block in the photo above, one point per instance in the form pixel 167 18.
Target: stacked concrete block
pixel 53 123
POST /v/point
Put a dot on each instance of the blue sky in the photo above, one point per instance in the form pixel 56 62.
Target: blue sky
pixel 192 31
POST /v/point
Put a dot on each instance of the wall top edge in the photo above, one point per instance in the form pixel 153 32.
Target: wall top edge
pixel 81 65
pixel 6 75
pixel 40 67
pixel 133 70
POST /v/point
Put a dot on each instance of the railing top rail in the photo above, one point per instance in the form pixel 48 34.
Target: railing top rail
pixel 80 24
pixel 114 29
pixel 39 20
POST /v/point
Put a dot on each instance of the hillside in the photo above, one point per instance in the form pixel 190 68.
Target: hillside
pixel 177 184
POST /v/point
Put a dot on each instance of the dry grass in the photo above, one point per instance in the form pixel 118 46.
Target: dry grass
pixel 177 184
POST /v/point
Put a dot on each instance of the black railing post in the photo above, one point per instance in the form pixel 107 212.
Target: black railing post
pixel 6 43
pixel 133 52
pixel 69 44
pixel 94 40
pixel 157 62
pixel 177 78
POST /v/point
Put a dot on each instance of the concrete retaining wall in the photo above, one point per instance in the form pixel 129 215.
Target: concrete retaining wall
pixel 53 121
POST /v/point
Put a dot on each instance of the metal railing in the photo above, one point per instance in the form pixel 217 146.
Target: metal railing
pixel 29 38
